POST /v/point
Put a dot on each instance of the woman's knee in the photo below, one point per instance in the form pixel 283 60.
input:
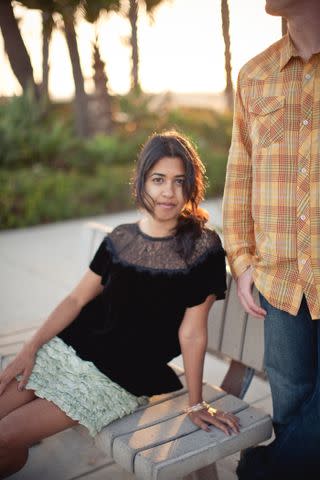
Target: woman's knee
pixel 12 398
pixel 9 436
pixel 12 461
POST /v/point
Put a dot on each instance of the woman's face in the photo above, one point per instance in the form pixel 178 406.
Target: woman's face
pixel 164 184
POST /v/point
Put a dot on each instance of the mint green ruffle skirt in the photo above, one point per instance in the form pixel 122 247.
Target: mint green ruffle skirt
pixel 78 388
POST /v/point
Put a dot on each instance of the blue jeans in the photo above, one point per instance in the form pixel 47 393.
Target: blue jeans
pixel 292 350
pixel 290 358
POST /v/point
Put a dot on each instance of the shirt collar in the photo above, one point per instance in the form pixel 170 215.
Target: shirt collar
pixel 287 52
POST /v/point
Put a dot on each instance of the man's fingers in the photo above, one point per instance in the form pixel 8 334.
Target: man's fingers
pixel 244 289
pixel 248 303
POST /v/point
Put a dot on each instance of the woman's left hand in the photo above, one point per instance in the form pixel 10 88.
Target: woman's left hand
pixel 225 421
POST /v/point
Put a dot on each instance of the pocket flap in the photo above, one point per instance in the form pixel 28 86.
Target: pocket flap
pixel 265 105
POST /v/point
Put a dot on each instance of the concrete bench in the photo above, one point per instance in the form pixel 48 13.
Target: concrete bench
pixel 158 441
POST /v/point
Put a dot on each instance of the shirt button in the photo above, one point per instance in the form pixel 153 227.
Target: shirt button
pixel 303 261
pixel 303 170
pixel 307 76
pixel 305 122
pixel 303 217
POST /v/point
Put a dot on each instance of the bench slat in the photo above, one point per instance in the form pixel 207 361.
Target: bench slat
pixel 234 327
pixel 198 449
pixel 127 446
pixel 150 415
pixel 216 319
pixel 253 347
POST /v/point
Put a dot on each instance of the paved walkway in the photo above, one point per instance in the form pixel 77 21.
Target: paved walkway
pixel 40 265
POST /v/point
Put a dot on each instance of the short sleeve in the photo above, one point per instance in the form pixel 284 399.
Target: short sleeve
pixel 101 261
pixel 208 277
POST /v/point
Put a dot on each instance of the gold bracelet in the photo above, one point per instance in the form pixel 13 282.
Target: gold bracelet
pixel 201 406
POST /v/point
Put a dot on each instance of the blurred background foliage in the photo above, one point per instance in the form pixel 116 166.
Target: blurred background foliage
pixel 75 159
pixel 48 173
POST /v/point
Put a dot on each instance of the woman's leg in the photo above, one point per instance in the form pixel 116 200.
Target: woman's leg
pixel 25 426
pixel 12 398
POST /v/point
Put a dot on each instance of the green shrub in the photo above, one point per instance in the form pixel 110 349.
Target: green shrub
pixel 49 174
pixel 215 171
pixel 118 149
pixel 29 135
pixel 205 127
pixel 40 195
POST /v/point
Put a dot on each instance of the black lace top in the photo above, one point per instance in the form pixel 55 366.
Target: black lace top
pixel 130 330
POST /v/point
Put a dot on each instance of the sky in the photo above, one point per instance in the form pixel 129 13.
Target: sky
pixel 181 50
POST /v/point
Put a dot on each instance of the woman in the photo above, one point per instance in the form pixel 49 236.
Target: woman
pixel 144 300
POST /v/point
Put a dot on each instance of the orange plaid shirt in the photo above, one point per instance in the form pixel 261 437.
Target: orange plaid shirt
pixel 271 206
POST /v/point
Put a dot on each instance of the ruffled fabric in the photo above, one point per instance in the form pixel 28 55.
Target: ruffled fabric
pixel 78 388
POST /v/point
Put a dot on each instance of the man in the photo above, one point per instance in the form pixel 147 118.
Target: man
pixel 272 230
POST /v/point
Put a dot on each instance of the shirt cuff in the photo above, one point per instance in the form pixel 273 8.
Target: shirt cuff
pixel 240 264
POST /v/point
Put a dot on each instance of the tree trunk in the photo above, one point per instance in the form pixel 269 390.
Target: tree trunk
pixel 102 121
pixel 15 48
pixel 133 18
pixel 227 53
pixel 81 100
pixel 47 24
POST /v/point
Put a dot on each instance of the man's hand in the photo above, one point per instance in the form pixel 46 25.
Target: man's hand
pixel 244 290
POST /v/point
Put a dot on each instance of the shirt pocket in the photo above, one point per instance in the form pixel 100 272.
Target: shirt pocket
pixel 267 120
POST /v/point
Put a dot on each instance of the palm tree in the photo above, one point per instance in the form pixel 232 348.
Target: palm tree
pixel 133 19
pixel 47 8
pixel 133 14
pixel 68 12
pixel 47 27
pixel 227 53
pixel 101 100
pixel 67 9
pixel 91 11
pixel 15 48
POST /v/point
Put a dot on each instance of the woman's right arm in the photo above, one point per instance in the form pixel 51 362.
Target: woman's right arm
pixel 67 310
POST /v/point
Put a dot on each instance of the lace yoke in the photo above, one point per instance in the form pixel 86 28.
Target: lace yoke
pixel 129 245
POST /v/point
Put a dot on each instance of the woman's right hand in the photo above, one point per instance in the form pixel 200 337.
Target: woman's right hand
pixel 22 365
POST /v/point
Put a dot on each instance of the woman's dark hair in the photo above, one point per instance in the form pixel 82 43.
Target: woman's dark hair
pixel 193 218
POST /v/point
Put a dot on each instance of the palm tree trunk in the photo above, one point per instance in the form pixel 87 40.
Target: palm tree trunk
pixel 133 18
pixel 227 53
pixel 15 48
pixel 47 24
pixel 103 119
pixel 81 100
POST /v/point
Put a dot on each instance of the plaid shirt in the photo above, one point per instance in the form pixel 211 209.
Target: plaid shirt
pixel 272 194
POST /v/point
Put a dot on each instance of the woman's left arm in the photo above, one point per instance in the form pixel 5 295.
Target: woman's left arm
pixel 193 342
